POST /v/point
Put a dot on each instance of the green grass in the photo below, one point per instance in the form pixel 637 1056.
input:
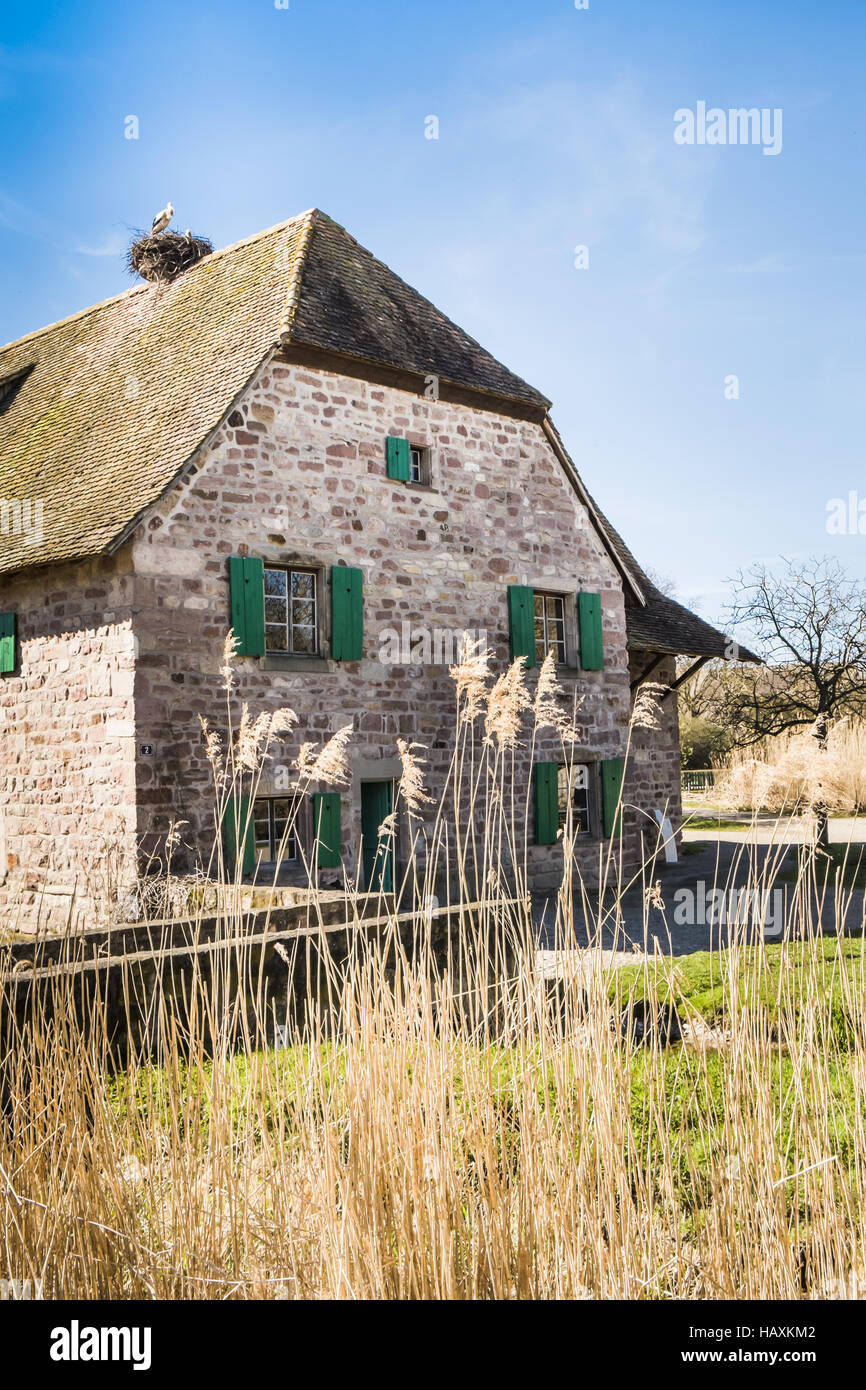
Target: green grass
pixel 767 985
pixel 713 823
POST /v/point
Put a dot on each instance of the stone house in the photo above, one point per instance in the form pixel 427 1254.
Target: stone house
pixel 289 439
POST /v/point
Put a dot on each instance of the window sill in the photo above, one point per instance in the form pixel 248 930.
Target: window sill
pixel 313 665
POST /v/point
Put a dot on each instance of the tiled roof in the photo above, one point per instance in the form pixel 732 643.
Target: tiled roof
pixel 351 303
pixel 119 397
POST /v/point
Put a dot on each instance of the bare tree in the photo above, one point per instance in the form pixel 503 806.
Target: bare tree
pixel 809 619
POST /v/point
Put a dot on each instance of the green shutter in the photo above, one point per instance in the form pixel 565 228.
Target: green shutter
pixel 8 626
pixel 521 618
pixel 591 645
pixel 546 803
pixel 247 578
pixel 241 806
pixel 347 613
pixel 611 791
pixel 326 822
pixel 398 459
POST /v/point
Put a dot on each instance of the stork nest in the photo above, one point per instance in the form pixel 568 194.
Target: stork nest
pixel 160 257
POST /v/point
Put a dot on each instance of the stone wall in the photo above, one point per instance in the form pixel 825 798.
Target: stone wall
pixel 653 779
pixel 67 745
pixel 298 475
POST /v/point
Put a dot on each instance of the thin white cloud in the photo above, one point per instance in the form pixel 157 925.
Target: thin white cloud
pixel 111 245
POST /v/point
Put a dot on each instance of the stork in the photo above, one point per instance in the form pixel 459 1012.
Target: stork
pixel 162 219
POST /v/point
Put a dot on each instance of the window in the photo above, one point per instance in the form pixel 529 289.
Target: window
pixel 270 818
pixel 575 789
pixel 291 612
pixel 549 614
pixel 10 386
pixel 419 471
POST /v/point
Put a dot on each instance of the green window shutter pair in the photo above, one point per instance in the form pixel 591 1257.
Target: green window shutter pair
pixel 547 800
pixel 521 622
pixel 591 643
pixel 521 617
pixel 247 578
pixel 611 792
pixel 8 634
pixel 546 803
pixel 398 459
pixel 238 824
pixel 247 581
pixel 326 823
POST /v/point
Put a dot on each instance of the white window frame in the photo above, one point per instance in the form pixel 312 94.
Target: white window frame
pixel 420 465
pixel 572 778
pixel 290 857
pixel 289 626
pixel 561 644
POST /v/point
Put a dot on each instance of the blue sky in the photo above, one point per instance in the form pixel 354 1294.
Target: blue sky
pixel 555 130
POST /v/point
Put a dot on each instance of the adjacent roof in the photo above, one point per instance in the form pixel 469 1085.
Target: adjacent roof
pixel 122 395
pixel 100 413
pixel 661 624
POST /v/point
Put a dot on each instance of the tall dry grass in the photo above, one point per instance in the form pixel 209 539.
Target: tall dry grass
pixel 428 1139
pixel 787 774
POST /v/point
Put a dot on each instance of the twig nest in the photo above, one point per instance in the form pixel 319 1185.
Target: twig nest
pixel 162 257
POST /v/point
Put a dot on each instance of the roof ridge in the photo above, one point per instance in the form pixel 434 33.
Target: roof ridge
pixel 257 236
pixel 318 217
pixel 296 276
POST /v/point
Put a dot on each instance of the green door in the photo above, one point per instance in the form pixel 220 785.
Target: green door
pixel 377 802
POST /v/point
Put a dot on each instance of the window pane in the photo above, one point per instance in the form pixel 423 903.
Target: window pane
pixel 275 581
pixel 275 610
pixel 275 638
pixel 538 605
pixel 303 639
pixel 562 790
pixel 302 584
pixel 302 613
pixel 262 831
pixel 574 790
